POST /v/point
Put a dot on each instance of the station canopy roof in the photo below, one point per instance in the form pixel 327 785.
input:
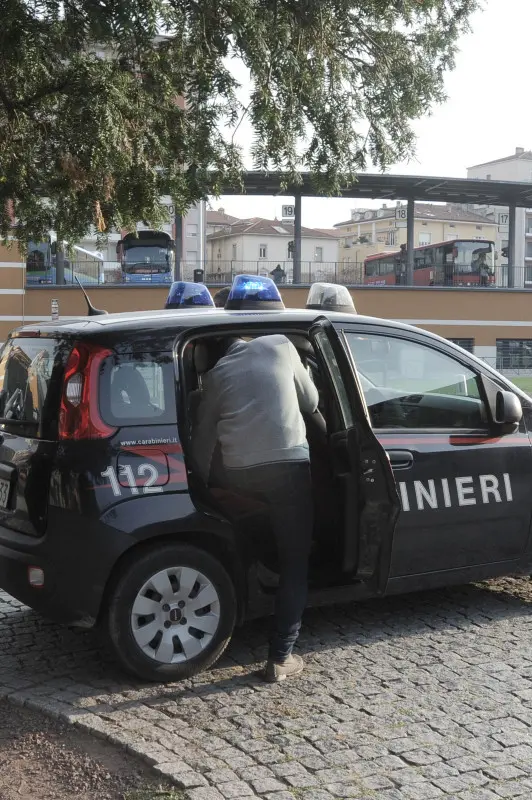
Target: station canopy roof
pixel 398 187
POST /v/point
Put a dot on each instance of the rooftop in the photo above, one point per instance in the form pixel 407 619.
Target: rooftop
pixel 267 227
pixel 219 217
pixel 425 211
pixel 520 155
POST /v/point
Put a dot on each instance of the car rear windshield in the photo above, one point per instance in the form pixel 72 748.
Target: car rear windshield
pixel 138 390
pixel 31 370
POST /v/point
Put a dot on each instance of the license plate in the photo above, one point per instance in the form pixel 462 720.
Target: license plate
pixel 4 493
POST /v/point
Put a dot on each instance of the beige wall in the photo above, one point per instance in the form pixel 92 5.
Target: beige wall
pixel 458 313
pixel 381 229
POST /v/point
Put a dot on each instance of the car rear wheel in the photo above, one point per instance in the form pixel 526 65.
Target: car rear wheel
pixel 171 614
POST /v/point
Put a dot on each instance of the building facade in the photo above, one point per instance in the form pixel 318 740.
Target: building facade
pixel 516 167
pixel 260 245
pixel 383 230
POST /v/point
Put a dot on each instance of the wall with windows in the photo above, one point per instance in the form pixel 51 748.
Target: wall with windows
pixel 513 168
pixel 384 237
pixel 257 248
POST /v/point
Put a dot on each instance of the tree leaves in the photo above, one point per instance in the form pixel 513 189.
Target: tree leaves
pixel 89 111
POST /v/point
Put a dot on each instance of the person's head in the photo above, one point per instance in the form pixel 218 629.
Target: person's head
pixel 219 346
pixel 220 298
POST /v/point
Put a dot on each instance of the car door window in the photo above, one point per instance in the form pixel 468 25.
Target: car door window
pixel 336 377
pixel 410 385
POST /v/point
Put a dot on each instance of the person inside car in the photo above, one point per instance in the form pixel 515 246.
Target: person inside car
pixel 220 298
pixel 252 403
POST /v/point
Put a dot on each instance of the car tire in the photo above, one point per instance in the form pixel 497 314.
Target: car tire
pixel 162 592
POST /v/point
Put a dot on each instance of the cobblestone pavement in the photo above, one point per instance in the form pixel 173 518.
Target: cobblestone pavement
pixel 409 698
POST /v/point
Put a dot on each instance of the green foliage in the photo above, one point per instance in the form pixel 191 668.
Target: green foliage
pixel 88 127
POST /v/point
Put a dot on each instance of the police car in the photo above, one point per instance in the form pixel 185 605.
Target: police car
pixel 422 478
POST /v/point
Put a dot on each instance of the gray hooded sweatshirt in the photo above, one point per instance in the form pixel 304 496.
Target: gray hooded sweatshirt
pixel 251 402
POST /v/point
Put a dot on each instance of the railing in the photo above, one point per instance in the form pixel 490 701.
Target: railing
pixel 347 273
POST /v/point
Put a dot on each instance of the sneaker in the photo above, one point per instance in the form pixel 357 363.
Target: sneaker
pixel 279 672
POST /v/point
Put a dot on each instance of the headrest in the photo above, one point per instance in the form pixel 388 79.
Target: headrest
pixel 128 379
pixel 201 358
pixel 301 343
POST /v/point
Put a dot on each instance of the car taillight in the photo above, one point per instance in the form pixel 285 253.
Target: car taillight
pixel 79 415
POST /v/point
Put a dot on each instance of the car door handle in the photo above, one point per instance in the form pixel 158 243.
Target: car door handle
pixel 400 459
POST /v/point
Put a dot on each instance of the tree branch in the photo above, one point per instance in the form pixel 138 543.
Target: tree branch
pixel 8 103
pixel 46 91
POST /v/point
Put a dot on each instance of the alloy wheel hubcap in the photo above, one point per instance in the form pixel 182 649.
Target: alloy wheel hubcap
pixel 175 615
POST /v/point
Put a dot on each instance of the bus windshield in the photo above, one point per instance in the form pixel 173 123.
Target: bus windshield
pixel 474 255
pixel 146 255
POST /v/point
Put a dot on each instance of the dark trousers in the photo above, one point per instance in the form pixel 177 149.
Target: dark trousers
pixel 286 490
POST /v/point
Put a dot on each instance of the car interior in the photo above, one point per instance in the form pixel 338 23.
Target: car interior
pixel 248 515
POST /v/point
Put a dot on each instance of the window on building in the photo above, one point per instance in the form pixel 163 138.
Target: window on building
pixel 233 252
pixel 424 238
pixel 192 229
pixel 290 249
pixel 528 250
pixel 191 256
pixel 452 225
pixel 478 227
pixel 466 344
pixel 390 239
pixel 488 177
pixel 318 254
pixel 263 251
pixel 514 354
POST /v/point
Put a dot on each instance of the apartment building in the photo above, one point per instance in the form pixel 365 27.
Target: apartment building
pixel 383 230
pixel 258 245
pixel 516 167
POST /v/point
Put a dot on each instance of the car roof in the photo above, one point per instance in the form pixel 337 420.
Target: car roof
pixel 128 328
pixel 181 320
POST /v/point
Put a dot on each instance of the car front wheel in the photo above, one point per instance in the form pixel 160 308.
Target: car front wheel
pixel 171 613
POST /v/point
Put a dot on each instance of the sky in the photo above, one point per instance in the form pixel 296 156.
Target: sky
pixel 486 116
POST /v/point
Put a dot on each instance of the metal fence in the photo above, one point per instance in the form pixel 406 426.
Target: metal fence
pixel 347 273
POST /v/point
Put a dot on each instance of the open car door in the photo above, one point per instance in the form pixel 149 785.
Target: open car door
pixel 361 464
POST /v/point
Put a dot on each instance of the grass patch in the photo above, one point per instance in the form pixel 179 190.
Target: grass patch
pixel 524 383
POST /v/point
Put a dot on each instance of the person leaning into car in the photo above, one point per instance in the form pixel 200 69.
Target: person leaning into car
pixel 252 404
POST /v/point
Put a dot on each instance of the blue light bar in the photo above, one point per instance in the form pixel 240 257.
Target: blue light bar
pixel 330 297
pixel 186 294
pixel 250 292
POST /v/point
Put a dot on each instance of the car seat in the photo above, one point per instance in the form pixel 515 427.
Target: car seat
pixel 130 396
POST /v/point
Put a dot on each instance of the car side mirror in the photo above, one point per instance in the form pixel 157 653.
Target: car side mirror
pixel 508 411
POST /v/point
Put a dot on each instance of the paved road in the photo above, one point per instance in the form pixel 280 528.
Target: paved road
pixel 411 698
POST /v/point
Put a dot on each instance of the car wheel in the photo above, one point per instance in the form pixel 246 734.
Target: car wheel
pixel 172 613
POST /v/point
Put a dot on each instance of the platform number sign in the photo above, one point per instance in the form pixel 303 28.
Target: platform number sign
pixel 401 213
pixel 503 220
pixel 289 212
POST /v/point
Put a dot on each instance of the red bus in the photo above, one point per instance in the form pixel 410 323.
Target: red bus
pixel 459 262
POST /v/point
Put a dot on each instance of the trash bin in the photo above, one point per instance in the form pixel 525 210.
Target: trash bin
pixel 199 275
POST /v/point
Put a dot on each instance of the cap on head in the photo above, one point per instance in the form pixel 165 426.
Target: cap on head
pixel 254 292
pixel 186 294
pixel 330 297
